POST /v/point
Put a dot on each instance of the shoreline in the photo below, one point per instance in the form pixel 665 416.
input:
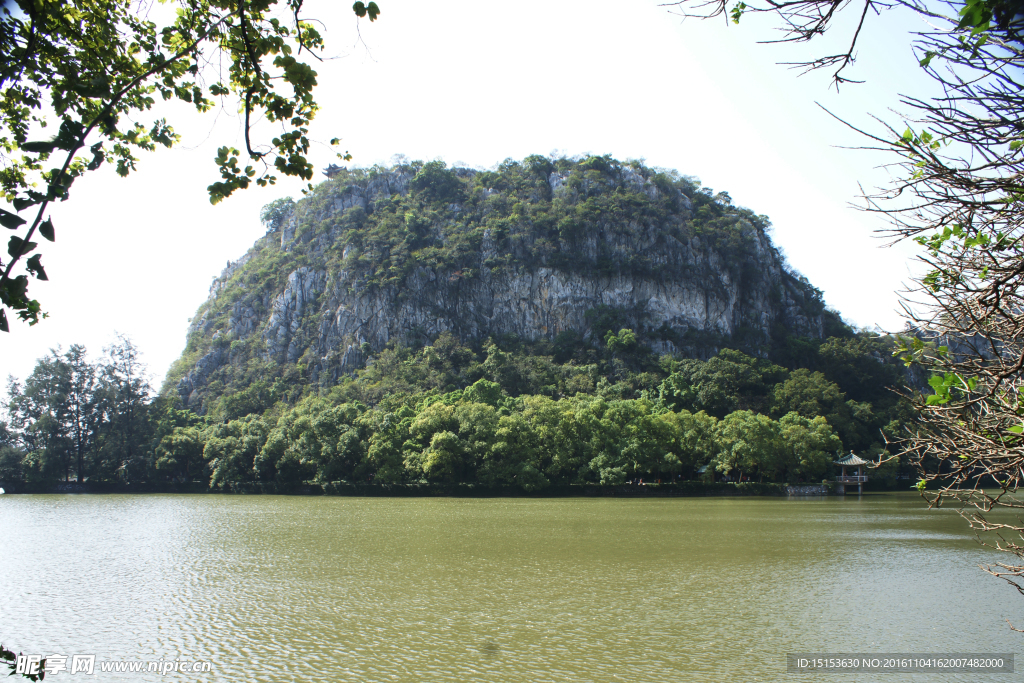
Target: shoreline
pixel 680 489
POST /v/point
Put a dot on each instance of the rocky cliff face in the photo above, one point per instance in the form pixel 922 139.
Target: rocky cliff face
pixel 535 249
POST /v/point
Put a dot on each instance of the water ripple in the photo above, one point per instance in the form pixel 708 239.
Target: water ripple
pixel 280 589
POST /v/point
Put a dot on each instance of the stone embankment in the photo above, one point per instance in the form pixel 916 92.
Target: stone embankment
pixel 809 490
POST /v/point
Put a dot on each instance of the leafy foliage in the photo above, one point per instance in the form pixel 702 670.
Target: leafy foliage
pixel 74 416
pixel 506 415
pixel 273 214
pixel 95 68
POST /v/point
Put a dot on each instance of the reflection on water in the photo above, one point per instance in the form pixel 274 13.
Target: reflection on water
pixel 336 589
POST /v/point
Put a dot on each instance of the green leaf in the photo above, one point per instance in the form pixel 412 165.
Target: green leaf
pixel 31 312
pixel 10 220
pixel 3 322
pixel 18 247
pixel 941 384
pixel 973 14
pixel 737 12
pixel 39 147
pixel 13 292
pixel 362 10
pixel 46 230
pixel 97 156
pixel 938 383
pixel 1016 429
pixel 34 266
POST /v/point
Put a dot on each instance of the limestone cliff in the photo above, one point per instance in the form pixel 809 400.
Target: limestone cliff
pixel 533 249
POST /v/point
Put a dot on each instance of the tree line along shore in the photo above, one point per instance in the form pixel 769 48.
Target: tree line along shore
pixel 503 415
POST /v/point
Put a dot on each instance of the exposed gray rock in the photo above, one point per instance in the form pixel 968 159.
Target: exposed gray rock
pixel 690 290
pixel 556 181
pixel 541 302
pixel 196 378
pixel 301 290
pixel 288 227
pixel 353 359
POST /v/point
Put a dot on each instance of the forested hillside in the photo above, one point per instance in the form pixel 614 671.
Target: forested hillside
pixel 549 323
pixel 511 415
pixel 545 249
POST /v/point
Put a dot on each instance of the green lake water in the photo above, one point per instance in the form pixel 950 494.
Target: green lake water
pixel 276 588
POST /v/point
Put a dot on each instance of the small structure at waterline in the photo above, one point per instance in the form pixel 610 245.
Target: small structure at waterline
pixel 851 460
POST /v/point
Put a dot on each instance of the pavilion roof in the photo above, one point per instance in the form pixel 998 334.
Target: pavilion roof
pixel 851 460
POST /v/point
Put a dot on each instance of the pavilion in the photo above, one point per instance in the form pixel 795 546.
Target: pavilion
pixel 851 460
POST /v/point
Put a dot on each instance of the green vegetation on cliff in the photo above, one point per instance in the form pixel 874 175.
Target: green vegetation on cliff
pixel 442 221
pixel 394 256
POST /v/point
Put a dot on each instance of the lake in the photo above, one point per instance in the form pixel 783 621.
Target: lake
pixel 277 588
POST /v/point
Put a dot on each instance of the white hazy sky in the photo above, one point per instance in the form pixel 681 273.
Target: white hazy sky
pixel 477 84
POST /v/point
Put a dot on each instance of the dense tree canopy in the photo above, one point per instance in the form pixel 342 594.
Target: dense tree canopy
pixel 505 415
pixel 74 417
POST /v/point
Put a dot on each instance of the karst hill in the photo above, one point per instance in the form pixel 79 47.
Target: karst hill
pixel 542 250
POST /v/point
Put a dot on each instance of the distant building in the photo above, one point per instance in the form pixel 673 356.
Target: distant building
pixel 332 170
pixel 851 460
